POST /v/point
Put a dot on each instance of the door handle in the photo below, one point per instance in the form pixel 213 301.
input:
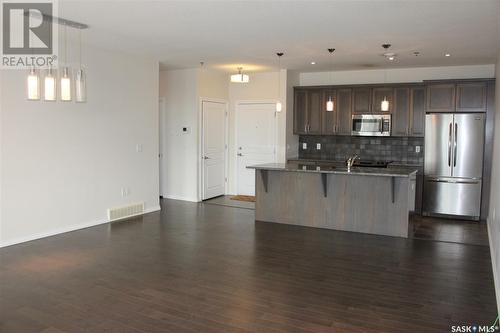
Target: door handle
pixel 449 146
pixel 206 157
pixel 455 146
pixel 240 154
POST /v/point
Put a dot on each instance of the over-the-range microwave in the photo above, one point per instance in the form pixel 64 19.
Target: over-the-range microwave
pixel 371 125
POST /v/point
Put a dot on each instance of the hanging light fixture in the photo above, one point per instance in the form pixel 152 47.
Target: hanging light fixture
pixel 384 105
pixel 33 85
pixel 80 80
pixel 329 103
pixel 50 86
pixel 279 107
pixel 65 79
pixel 240 77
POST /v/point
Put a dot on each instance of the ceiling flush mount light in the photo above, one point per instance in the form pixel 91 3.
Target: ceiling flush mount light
pixel 329 103
pixel 33 85
pixel 240 77
pixel 279 107
pixel 388 55
pixel 313 63
pixel 447 54
pixel 50 86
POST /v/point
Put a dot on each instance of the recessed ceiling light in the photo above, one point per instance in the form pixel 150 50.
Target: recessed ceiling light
pixel 447 54
pixel 313 63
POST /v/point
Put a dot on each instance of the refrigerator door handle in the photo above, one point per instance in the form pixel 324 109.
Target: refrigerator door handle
pixel 455 146
pixel 452 181
pixel 449 145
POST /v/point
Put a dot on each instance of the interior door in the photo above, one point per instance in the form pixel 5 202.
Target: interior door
pixel 214 149
pixel 255 140
pixel 438 145
pixel 468 145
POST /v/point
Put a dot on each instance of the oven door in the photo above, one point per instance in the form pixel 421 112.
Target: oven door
pixel 370 125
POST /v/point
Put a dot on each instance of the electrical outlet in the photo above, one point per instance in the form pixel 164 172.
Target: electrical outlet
pixel 125 191
pixel 417 149
pixel 304 145
pixel 318 146
pixel 138 148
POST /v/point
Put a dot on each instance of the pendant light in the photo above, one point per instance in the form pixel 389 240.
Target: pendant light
pixel 240 77
pixel 384 105
pixel 329 103
pixel 65 80
pixel 33 85
pixel 80 80
pixel 50 86
pixel 279 107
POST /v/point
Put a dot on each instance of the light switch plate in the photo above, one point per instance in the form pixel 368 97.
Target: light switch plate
pixel 318 146
pixel 304 145
pixel 417 149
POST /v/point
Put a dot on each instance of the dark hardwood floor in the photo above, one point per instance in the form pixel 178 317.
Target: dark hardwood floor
pixel 211 268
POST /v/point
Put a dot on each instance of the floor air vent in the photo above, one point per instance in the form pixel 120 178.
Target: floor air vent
pixel 125 211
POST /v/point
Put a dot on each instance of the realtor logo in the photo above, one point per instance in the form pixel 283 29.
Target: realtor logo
pixel 28 34
pixel 27 28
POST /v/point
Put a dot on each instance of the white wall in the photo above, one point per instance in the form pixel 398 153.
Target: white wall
pixel 180 90
pixel 494 216
pixel 64 164
pixel 262 87
pixel 183 91
pixel 397 75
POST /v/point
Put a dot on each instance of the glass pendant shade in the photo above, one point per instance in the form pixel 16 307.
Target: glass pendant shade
pixel 80 86
pixel 384 106
pixel 33 85
pixel 329 105
pixel 279 107
pixel 50 86
pixel 65 85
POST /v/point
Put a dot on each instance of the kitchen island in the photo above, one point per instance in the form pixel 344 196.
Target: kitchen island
pixel 368 200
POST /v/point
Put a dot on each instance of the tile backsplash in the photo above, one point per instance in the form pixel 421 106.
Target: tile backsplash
pixel 339 148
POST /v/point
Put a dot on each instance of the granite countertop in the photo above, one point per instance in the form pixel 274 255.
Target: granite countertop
pixel 334 169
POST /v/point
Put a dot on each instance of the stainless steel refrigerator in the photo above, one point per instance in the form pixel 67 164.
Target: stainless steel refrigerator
pixel 453 169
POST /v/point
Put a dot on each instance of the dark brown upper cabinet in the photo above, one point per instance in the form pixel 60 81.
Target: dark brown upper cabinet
pixel 329 118
pixel 362 100
pixel 307 111
pixel 401 112
pixel 417 111
pixel 314 108
pixel 343 108
pixel 441 97
pixel 379 94
pixel 471 97
pixel 300 112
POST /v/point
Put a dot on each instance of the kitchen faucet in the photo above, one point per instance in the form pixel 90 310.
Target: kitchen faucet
pixel 350 161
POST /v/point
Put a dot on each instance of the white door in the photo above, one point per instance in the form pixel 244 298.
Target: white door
pixel 255 141
pixel 214 149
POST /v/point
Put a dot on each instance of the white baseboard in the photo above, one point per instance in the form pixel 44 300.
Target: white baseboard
pixel 493 261
pixel 178 197
pixel 66 229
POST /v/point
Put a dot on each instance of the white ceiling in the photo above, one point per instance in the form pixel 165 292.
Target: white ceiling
pixel 225 34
